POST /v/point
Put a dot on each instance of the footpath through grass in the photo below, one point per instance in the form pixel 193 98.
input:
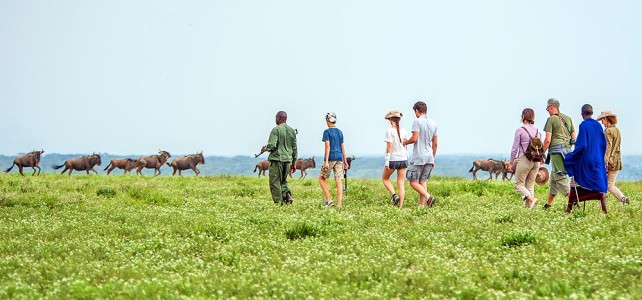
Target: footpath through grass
pixel 133 237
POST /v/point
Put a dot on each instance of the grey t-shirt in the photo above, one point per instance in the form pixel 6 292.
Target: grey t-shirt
pixel 422 149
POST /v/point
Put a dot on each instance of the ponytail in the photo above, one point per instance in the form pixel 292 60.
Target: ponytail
pixel 396 121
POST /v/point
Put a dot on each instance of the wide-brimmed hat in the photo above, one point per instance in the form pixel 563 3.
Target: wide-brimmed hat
pixel 606 113
pixel 394 113
pixel 542 176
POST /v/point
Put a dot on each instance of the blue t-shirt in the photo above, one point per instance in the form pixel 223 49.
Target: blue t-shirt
pixel 335 136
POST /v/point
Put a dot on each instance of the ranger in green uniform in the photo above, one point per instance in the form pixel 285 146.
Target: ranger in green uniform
pixel 560 135
pixel 283 153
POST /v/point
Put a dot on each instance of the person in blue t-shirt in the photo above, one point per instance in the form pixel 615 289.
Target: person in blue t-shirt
pixel 333 159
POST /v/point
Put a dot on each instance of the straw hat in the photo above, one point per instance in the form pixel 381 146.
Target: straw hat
pixel 394 113
pixel 606 113
pixel 542 176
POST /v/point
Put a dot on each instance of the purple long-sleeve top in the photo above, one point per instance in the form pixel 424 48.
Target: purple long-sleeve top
pixel 520 143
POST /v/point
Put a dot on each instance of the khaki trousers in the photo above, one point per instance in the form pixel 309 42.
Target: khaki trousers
pixel 525 177
pixel 612 176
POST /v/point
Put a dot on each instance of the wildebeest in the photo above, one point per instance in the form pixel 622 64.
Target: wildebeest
pixel 262 166
pixel 31 159
pixel 491 165
pixel 153 162
pixel 85 163
pixel 187 162
pixel 303 165
pixel 126 164
pixel 505 173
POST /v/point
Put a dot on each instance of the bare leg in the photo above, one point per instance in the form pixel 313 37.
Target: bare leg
pixel 401 178
pixel 339 191
pixel 324 188
pixel 386 180
pixel 420 187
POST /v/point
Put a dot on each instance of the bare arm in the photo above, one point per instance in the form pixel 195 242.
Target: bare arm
pixel 345 157
pixel 326 156
pixel 413 138
pixel 434 146
pixel 547 140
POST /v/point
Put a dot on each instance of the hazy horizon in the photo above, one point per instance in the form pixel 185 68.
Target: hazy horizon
pixel 132 77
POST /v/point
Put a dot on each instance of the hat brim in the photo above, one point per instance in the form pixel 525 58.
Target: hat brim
pixel 542 176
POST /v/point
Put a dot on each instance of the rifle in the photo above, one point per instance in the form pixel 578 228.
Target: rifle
pixel 345 180
pixel 263 149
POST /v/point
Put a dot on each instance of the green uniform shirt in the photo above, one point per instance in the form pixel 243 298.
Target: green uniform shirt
pixel 282 144
pixel 560 132
pixel 612 156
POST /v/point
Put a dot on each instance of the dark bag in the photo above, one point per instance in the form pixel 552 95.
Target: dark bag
pixel 534 152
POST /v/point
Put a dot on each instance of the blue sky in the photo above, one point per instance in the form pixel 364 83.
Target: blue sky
pixel 130 77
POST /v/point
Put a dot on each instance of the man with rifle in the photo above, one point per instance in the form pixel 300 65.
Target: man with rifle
pixel 283 155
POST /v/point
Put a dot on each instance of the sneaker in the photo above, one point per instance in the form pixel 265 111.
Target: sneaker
pixel 533 203
pixel 431 201
pixel 328 203
pixel 546 206
pixel 395 200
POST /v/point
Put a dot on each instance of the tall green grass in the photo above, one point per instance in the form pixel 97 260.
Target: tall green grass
pixel 221 237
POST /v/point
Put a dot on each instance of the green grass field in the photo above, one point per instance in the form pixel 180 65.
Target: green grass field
pixel 221 237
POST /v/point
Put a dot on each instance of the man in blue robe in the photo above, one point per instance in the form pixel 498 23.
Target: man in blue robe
pixel 586 162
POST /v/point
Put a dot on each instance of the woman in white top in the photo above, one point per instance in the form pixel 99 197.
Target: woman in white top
pixel 396 157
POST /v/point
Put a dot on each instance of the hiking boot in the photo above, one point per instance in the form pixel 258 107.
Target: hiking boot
pixel 431 201
pixel 546 206
pixel 328 203
pixel 288 198
pixel 395 200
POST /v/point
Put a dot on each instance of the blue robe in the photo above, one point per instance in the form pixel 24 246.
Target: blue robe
pixel 586 162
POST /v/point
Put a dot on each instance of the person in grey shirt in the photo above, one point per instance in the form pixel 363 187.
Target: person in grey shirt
pixel 424 140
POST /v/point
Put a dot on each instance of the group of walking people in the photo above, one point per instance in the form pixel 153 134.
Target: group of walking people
pixel 592 165
pixel 282 146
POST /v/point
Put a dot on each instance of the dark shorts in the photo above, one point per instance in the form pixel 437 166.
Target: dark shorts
pixel 397 165
pixel 419 173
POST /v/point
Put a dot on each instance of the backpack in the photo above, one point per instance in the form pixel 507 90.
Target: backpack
pixel 534 152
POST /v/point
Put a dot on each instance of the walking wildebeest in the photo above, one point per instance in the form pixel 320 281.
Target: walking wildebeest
pixel 153 162
pixel 187 162
pixel 85 163
pixel 505 173
pixel 303 165
pixel 31 159
pixel 263 166
pixel 126 164
pixel 490 165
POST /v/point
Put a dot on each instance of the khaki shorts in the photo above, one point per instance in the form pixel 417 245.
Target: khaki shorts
pixel 419 173
pixel 560 184
pixel 337 166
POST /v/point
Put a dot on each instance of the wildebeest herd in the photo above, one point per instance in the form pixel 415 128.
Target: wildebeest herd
pixel 88 162
pixel 300 164
pixel 493 167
